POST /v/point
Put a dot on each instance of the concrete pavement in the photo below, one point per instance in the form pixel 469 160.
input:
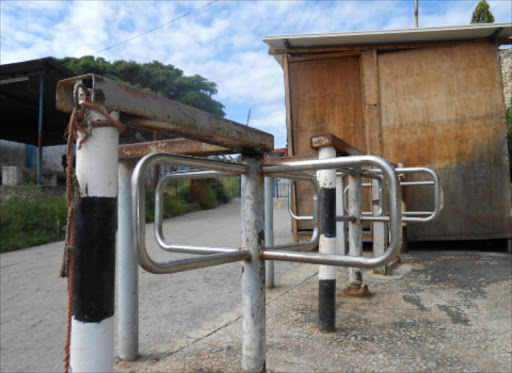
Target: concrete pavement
pixel 34 298
pixel 438 311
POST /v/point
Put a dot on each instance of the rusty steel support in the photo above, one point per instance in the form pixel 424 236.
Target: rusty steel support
pixel 342 148
pixel 341 226
pixel 253 269
pixel 154 113
pixel 176 146
pixel 355 235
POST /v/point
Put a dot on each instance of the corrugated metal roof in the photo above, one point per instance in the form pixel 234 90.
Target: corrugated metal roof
pixel 501 31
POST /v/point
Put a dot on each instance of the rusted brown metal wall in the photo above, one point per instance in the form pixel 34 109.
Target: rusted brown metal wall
pixel 439 107
pixel 325 98
pixel 442 107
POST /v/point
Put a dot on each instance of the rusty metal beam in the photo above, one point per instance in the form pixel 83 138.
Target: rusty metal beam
pixel 176 146
pixel 155 113
pixel 290 159
pixel 341 147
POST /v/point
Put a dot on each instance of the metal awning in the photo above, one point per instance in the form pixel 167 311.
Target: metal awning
pixel 20 85
pixel 502 32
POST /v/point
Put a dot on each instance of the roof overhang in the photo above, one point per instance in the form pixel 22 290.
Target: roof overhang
pixel 280 44
pixel 19 101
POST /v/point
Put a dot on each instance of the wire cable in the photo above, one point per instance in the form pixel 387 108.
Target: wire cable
pixel 157 27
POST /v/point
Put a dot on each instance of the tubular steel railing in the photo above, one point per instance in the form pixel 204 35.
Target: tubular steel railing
pixel 351 164
pixel 91 343
pixel 216 255
pixel 407 216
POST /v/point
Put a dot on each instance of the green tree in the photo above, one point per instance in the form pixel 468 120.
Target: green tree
pixel 482 14
pixel 163 80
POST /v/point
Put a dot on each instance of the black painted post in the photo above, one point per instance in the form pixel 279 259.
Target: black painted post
pixel 92 327
pixel 327 274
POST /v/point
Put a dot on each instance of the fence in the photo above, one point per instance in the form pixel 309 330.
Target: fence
pixel 92 291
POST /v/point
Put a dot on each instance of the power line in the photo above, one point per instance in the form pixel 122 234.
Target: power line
pixel 157 27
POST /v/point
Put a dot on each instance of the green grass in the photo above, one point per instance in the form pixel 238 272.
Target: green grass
pixel 25 223
pixel 36 219
pixel 172 206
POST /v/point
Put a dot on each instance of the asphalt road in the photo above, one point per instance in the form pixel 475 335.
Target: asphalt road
pixel 34 298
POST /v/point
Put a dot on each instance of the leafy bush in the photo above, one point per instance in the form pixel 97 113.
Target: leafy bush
pixel 39 219
pixel 25 223
pixel 172 206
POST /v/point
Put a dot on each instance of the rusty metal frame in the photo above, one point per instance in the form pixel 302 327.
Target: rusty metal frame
pixel 176 146
pixel 154 113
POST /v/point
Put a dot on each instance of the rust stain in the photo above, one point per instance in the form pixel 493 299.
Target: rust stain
pixel 176 146
pixel 261 238
pixel 341 147
pixel 359 276
pixel 358 291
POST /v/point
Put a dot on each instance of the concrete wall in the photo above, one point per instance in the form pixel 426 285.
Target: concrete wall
pixel 12 154
pixel 15 154
pixel 52 157
pixel 506 74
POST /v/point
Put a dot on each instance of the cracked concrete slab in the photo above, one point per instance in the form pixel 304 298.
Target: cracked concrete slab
pixel 436 312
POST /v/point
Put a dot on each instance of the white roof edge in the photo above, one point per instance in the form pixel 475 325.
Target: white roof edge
pixel 415 35
pixel 424 34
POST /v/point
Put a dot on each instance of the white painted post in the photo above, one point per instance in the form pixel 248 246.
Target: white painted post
pixel 92 325
pixel 253 269
pixel 327 244
pixel 127 271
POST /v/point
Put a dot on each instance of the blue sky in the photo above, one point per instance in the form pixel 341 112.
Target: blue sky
pixel 221 41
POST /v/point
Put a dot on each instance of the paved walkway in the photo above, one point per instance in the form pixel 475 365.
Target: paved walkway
pixel 437 312
pixel 34 298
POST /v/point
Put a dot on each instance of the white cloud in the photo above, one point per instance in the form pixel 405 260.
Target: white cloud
pixel 221 42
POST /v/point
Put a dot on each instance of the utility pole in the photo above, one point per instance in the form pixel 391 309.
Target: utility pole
pixel 248 117
pixel 416 13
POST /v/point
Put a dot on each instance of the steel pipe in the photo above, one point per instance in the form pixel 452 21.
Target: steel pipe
pixel 355 228
pixel 438 193
pixel 253 269
pixel 350 162
pixel 313 241
pixel 269 230
pixel 159 213
pixel 127 271
pixel 139 220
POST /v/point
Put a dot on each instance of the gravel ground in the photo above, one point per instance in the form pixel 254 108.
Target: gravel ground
pixel 437 311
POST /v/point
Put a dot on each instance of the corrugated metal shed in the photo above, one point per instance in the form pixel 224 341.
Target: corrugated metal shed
pixel 428 97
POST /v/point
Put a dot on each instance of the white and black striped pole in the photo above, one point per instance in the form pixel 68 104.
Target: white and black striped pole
pixel 92 325
pixel 327 244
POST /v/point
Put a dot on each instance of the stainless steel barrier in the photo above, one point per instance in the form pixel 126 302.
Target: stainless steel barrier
pixel 254 253
pixel 215 257
pixel 407 216
pixel 351 165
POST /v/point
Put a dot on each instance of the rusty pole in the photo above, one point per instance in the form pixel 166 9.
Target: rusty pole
pixel 253 269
